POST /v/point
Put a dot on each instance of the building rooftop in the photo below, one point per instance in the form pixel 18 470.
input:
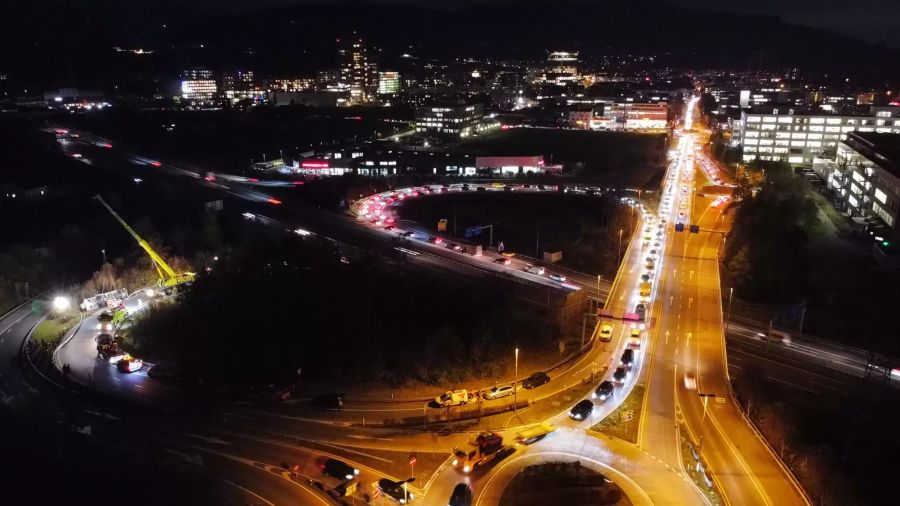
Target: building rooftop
pixel 883 149
pixel 867 111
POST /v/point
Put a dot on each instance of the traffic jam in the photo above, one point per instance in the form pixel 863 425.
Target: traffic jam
pixel 377 211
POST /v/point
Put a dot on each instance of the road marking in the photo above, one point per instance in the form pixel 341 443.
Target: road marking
pixel 248 491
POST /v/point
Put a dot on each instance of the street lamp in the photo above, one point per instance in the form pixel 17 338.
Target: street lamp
pixel 61 303
pixel 599 277
pixel 619 256
pixel 705 398
pixel 515 383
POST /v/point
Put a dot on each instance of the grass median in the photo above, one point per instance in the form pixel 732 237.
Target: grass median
pixel 698 474
pixel 52 329
pixel 616 425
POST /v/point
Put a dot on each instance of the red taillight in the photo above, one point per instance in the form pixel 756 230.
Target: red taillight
pixel 273 201
pixel 156 164
pixel 297 183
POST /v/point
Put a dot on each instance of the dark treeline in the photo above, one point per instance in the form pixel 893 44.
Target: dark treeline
pixel 279 303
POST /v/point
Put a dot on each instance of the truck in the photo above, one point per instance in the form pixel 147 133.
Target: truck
pixel 486 447
pixel 454 398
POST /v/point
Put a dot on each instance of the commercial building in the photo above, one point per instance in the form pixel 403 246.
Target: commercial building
pixel 241 86
pixel 628 115
pixel 798 136
pixel 456 119
pixel 198 87
pixel 866 179
pixel 295 84
pixel 562 68
pixel 581 117
pixel 388 83
pixel 359 75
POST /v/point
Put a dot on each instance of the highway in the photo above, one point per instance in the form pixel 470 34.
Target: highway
pixel 683 355
pixel 689 358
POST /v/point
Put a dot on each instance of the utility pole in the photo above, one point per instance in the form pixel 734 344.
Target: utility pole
pixel 516 384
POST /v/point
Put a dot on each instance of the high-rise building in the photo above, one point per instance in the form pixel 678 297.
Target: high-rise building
pixel 358 74
pixel 240 86
pixel 388 83
pixel 198 87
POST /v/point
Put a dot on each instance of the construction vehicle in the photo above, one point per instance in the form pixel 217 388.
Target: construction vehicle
pixel 487 446
pixel 167 276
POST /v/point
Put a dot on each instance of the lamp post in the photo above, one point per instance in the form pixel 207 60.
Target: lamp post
pixel 516 383
pixel 619 256
pixel 705 398
pixel 599 278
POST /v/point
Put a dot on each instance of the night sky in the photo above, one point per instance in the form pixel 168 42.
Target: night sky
pixel 869 20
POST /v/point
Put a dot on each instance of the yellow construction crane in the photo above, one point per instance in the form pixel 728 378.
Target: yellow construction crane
pixel 167 276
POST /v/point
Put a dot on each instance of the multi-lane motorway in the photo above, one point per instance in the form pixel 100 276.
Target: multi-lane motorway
pixel 680 357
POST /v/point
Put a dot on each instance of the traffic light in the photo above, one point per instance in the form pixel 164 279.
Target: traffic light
pixel 695 229
pixel 679 227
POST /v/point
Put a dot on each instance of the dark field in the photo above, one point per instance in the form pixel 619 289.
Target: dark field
pixel 620 159
pixel 585 228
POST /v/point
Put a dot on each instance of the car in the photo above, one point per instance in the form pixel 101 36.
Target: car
pixel 435 240
pixel 581 410
pixel 557 277
pixel 606 332
pixel 406 234
pixel 627 358
pixel 389 226
pixel 329 401
pixel 619 375
pixel 508 254
pixel 650 266
pixel 641 311
pixel 690 380
pixel 461 496
pixel 535 380
pixel 634 340
pixel 604 391
pixel 396 490
pixel 488 439
pixel 647 276
pixel 503 261
pixel 338 469
pixel 163 372
pixel 498 392
pixel 129 364
pixel 454 246
pixel 535 269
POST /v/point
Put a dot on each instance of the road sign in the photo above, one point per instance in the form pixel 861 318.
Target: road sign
pixel 627 415
pixel 500 246
pixel 412 459
pixel 442 225
pixel 472 231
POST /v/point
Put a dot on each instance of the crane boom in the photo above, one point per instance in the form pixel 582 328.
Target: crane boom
pixel 167 275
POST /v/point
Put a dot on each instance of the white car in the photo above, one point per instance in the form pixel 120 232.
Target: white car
pixel 535 269
pixel 557 277
pixel 498 392
pixel 690 381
